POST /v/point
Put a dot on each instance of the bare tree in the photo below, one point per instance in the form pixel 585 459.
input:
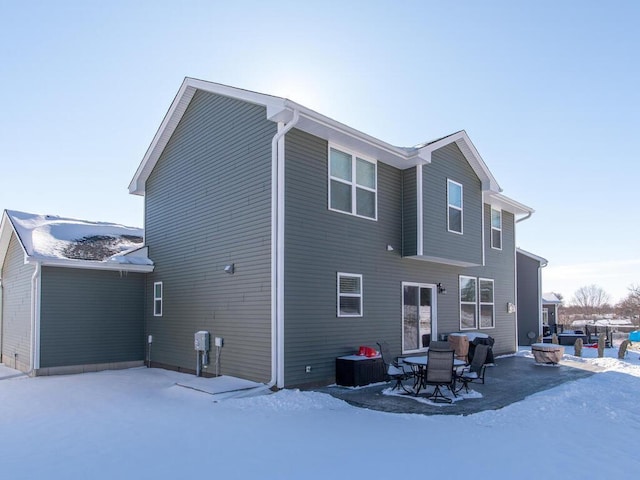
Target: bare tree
pixel 591 299
pixel 630 305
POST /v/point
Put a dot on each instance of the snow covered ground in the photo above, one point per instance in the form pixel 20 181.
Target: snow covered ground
pixel 139 424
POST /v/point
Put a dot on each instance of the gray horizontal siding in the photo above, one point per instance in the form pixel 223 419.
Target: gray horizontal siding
pixel 208 204
pixel 15 337
pixel 449 163
pixel 500 266
pixel 90 317
pixel 320 243
pixel 409 213
pixel 528 298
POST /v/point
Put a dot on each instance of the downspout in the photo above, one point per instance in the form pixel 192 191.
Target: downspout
pixel 35 319
pixel 515 273
pixel 277 252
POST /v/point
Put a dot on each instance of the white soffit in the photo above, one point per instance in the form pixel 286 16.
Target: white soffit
pixel 502 202
pixel 543 261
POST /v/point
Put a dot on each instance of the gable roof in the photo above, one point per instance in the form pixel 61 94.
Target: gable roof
pixel 468 149
pixel 66 242
pixel 280 109
pixel 542 261
pixel 550 297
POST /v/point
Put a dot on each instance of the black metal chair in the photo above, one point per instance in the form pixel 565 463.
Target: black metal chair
pixel 439 345
pixel 474 373
pixel 394 369
pixel 440 373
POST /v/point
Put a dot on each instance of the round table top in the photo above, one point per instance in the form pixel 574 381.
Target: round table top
pixel 422 360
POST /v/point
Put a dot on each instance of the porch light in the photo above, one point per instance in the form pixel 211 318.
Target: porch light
pixel 441 289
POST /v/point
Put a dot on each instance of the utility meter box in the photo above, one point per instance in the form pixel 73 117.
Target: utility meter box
pixel 201 341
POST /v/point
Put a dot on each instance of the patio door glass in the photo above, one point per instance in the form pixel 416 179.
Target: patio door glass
pixel 418 314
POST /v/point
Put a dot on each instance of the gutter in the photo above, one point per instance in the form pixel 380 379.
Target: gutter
pixel 526 217
pixel 277 252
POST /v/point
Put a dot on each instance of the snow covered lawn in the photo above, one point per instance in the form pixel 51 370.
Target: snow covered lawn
pixel 139 424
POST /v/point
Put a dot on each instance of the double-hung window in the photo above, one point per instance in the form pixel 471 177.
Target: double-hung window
pixel 454 206
pixel 349 295
pixel 487 307
pixel 496 229
pixel 157 299
pixel 477 306
pixel 352 184
pixel 468 304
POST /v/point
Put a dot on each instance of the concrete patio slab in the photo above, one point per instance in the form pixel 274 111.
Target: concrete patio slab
pixel 512 379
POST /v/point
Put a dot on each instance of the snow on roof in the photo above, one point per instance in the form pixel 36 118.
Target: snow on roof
pixel 50 237
pixel 550 297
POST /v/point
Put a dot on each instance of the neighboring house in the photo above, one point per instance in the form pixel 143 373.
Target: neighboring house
pixel 296 238
pixel 550 304
pixel 71 294
pixel 529 268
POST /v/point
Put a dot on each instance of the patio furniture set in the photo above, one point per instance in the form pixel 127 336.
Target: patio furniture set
pixel 447 364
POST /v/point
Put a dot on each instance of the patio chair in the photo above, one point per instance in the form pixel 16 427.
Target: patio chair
pixel 395 370
pixel 439 345
pixel 440 373
pixel 474 373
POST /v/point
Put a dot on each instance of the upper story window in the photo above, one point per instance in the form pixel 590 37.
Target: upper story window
pixel 352 184
pixel 157 299
pixel 496 228
pixel 349 295
pixel 454 206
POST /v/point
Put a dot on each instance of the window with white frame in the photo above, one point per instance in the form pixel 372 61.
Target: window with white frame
pixel 352 184
pixel 496 228
pixel 157 299
pixel 468 303
pixel 487 307
pixel 454 206
pixel 349 295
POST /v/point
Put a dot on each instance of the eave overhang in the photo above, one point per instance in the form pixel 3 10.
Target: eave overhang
pixel 90 265
pixel 503 202
pixel 444 261
pixel 277 110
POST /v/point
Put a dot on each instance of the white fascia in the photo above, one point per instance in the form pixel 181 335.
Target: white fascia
pixel 90 265
pixel 502 202
pixel 542 261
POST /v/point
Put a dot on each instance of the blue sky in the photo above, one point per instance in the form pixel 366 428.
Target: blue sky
pixel 546 90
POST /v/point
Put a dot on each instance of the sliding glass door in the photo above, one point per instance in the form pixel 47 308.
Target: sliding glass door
pixel 418 314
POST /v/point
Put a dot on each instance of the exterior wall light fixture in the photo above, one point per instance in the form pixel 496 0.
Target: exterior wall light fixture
pixel 441 289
